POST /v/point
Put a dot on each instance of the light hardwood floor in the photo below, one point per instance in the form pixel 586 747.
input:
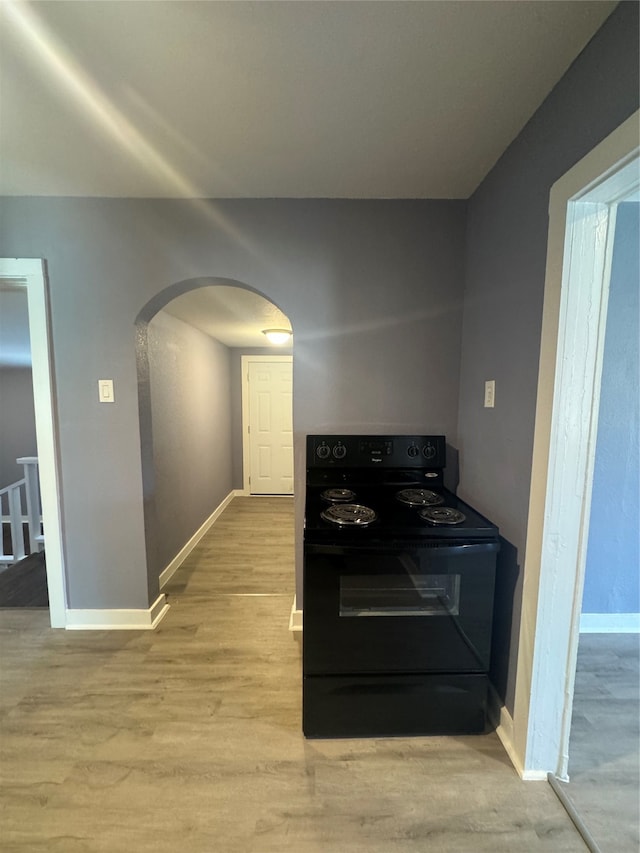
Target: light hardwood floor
pixel 604 748
pixel 188 738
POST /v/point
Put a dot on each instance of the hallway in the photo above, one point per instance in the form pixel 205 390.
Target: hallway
pixel 188 737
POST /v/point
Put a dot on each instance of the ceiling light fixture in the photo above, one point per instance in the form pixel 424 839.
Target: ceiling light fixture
pixel 277 336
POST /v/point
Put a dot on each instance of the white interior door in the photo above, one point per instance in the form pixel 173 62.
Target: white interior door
pixel 270 427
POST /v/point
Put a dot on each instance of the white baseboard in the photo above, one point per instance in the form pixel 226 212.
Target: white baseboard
pixel 183 553
pixel 503 723
pixel 295 619
pixel 610 623
pixel 123 620
pixel 245 493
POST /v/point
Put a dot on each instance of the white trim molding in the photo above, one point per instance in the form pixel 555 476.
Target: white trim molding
pixel 30 273
pixel 503 723
pixel 580 237
pixel 183 553
pixel 295 619
pixel 122 620
pixel 610 623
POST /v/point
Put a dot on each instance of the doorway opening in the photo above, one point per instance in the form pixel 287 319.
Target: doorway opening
pixel 267 424
pixel 30 274
pixel 191 340
pixel 581 229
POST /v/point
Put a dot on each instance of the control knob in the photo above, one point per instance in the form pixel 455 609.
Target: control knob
pixel 339 451
pixel 323 451
pixel 413 451
pixel 429 451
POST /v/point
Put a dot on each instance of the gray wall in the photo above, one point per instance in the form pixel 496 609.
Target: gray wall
pixel 504 285
pixel 17 417
pixel 373 290
pixel 17 422
pixel 611 580
pixel 191 422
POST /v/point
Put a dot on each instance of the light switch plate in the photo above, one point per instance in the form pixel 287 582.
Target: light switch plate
pixel 490 394
pixel 105 391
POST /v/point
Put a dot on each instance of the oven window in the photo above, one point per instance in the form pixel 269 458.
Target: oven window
pixel 393 595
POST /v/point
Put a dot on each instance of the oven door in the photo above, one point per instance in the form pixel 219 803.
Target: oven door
pixel 421 607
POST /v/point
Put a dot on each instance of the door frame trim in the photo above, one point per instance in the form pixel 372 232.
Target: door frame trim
pixel 31 274
pixel 581 224
pixel 245 360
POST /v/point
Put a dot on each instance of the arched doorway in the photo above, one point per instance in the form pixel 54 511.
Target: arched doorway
pixel 190 341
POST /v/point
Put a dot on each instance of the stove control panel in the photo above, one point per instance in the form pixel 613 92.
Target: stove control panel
pixel 371 451
pixel 375 448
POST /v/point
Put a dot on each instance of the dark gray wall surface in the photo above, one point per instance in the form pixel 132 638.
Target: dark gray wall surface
pixel 373 290
pixel 17 422
pixel 505 273
pixel 374 293
pixel 192 443
pixel 611 579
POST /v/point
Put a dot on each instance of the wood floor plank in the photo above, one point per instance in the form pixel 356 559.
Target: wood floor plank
pixel 189 737
pixel 604 748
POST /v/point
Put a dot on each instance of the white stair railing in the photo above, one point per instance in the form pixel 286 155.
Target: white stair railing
pixel 14 500
pixel 34 514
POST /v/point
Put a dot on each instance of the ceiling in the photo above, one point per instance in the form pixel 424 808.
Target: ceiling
pixel 263 99
pixel 234 316
pixel 340 99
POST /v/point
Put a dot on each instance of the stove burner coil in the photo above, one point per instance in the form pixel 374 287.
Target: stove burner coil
pixel 338 495
pixel 442 515
pixel 419 497
pixel 349 515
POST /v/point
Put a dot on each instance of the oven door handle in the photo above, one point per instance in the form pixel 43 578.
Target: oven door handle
pixel 460 550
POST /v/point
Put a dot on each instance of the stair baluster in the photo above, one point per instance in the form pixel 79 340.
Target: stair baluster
pixel 11 498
